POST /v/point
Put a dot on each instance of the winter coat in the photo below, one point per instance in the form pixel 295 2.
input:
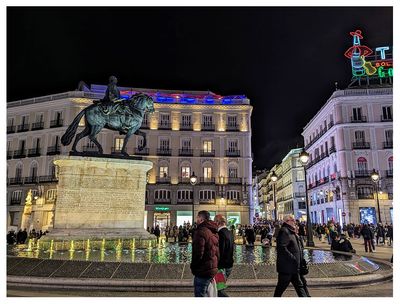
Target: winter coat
pixel 289 251
pixel 226 247
pixel 367 233
pixel 205 250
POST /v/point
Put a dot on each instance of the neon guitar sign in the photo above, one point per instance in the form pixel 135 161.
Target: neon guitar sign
pixel 368 63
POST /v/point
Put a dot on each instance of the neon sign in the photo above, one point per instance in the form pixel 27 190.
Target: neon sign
pixel 368 63
pixel 161 208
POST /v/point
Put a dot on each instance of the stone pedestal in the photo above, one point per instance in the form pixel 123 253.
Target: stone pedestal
pixel 100 198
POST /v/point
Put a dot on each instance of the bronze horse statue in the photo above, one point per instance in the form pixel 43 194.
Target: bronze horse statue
pixel 125 116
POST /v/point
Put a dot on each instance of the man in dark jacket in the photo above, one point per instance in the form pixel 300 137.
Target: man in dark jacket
pixel 368 236
pixel 205 253
pixel 226 247
pixel 289 256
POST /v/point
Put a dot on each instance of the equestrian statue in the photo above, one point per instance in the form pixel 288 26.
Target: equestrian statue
pixel 113 113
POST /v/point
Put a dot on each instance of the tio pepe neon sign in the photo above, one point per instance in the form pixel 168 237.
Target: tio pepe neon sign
pixel 365 63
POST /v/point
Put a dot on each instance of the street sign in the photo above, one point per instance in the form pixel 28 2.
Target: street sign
pixel 343 213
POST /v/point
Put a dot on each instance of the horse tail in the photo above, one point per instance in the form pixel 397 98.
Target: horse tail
pixel 70 133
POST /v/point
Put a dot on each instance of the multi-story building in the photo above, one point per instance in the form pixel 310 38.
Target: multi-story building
pixel 189 132
pixel 351 135
pixel 288 192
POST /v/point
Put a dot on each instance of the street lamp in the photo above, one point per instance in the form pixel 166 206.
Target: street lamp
pixel 274 178
pixel 375 179
pixel 193 181
pixel 304 158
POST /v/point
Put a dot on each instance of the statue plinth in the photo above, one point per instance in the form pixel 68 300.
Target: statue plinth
pixel 100 198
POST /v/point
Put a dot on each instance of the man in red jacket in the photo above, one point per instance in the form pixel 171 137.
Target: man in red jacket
pixel 205 253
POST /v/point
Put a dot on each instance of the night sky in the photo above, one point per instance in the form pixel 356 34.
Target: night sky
pixel 286 60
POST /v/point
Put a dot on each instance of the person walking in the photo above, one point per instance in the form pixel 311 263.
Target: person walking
pixel 368 236
pixel 226 246
pixel 157 233
pixel 389 234
pixel 205 253
pixel 289 258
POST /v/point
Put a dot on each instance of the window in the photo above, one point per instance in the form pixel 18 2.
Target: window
pixel 51 194
pixel 162 194
pixel 390 163
pixel 207 120
pixel 389 135
pixel 163 171
pixel 206 195
pixel 186 120
pixel 56 140
pixel 332 141
pixel 186 144
pixel 24 120
pixel 362 164
pixel 52 170
pixel 185 172
pixel 18 171
pixel 16 197
pixel 233 195
pixel 164 144
pixel 10 121
pixel 357 114
pixel 145 120
pixel 36 143
pixel 365 192
pixel 207 172
pixel 164 120
pixel 140 142
pixel 39 117
pixel 21 145
pixel 231 121
pixel 118 143
pixel 207 146
pixel 360 136
pixel 33 170
pixel 185 195
pixel 232 145
pixel 387 113
pixel 14 218
pixel 232 172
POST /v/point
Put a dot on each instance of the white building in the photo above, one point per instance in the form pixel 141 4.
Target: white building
pixel 289 192
pixel 351 135
pixel 190 131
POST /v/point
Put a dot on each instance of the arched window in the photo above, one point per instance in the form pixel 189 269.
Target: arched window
pixel 362 164
pixel 232 170
pixel 390 164
pixel 18 170
pixel 33 171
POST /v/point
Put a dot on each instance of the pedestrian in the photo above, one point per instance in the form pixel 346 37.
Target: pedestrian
pixel 11 237
pixel 226 247
pixel 368 236
pixel 389 234
pixel 289 258
pixel 205 253
pixel 250 235
pixel 157 233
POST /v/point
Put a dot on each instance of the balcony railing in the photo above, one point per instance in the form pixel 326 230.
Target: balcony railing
pixel 23 128
pixel 89 148
pixel 186 127
pixel 207 201
pixel 116 150
pixel 9 154
pixel 361 145
pixel 208 127
pixel 234 153
pixel 53 150
pixel 362 173
pixel 232 128
pixel 388 145
pixel 34 152
pixel 299 194
pixel 234 180
pixel 184 200
pixel 365 196
pixel 56 123
pixel 163 179
pixel 184 180
pixel 37 125
pixel 20 153
pixel 162 200
pixel 330 124
pixel 185 152
pixel 47 179
pixel 164 125
pixel 16 181
pixel 207 180
pixel 31 180
pixel 15 201
pixel 389 173
pixel 358 119
pixel 332 149
pixel 145 125
pixel 10 129
pixel 386 118
pixel 207 153
pixel 233 202
pixel 144 151
pixel 164 152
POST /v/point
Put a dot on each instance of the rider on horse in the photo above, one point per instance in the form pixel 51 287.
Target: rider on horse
pixel 112 95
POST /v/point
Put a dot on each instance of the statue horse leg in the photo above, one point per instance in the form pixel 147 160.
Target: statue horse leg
pixel 92 136
pixel 79 136
pixel 143 134
pixel 127 136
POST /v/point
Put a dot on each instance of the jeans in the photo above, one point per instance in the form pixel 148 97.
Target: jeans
pixel 222 293
pixel 200 286
pixel 369 244
pixel 285 279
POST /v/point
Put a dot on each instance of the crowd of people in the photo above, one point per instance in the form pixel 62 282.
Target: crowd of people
pixel 22 236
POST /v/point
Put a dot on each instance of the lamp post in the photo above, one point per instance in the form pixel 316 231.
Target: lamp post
pixel 304 158
pixel 274 178
pixel 375 179
pixel 193 181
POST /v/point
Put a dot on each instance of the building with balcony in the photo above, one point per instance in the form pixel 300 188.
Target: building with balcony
pixel 351 135
pixel 190 131
pixel 287 193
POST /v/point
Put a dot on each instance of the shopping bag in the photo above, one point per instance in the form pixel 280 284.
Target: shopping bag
pixel 212 289
pixel 220 279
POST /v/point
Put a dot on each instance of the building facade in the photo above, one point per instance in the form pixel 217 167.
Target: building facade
pixel 350 136
pixel 287 193
pixel 189 132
